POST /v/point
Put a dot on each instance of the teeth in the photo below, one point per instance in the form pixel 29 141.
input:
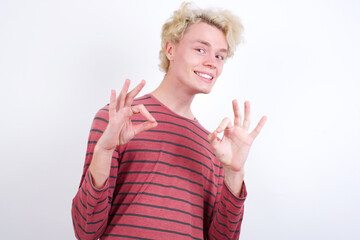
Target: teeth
pixel 204 75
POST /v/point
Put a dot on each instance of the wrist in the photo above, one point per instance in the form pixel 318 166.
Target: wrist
pixel 100 148
pixel 234 180
pixel 100 165
pixel 231 172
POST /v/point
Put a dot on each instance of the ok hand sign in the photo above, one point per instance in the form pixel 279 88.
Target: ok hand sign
pixel 232 150
pixel 120 129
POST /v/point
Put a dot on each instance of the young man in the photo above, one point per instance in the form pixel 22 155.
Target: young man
pixel 151 170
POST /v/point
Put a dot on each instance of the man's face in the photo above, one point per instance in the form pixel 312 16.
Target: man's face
pixel 197 60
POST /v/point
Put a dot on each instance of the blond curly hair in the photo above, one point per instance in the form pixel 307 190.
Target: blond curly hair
pixel 175 27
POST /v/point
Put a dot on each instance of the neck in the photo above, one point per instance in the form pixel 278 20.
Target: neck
pixel 174 98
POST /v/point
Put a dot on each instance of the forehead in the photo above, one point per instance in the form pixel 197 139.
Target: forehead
pixel 203 32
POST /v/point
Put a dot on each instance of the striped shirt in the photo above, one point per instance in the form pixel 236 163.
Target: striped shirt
pixel 166 183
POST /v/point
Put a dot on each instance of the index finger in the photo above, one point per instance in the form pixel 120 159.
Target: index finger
pixel 142 109
pixel 132 94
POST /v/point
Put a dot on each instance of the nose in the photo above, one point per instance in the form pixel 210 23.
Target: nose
pixel 210 62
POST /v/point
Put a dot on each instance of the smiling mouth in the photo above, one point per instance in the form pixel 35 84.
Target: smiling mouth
pixel 204 75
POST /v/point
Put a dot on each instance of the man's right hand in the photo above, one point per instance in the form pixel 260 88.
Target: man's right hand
pixel 119 130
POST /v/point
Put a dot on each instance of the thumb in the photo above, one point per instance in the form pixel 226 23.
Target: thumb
pixel 212 137
pixel 144 127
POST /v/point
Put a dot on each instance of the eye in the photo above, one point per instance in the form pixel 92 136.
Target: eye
pixel 219 57
pixel 200 50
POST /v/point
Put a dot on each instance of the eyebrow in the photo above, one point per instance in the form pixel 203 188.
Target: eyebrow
pixel 209 45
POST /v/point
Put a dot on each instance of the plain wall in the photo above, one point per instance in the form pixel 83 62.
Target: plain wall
pixel 299 65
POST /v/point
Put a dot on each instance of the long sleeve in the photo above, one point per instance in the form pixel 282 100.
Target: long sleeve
pixel 91 206
pixel 227 215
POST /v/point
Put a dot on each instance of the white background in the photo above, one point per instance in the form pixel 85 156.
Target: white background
pixel 299 65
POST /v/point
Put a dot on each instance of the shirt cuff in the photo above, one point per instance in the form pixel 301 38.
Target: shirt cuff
pixel 95 193
pixel 238 201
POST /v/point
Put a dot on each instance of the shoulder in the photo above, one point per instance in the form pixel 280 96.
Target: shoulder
pixel 101 119
pixel 145 99
pixel 103 113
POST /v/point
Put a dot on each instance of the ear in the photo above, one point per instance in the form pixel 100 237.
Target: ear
pixel 169 50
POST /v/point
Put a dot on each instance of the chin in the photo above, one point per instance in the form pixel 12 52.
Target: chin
pixel 204 91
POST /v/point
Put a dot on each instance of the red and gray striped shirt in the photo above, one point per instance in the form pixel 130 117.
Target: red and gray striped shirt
pixel 166 183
